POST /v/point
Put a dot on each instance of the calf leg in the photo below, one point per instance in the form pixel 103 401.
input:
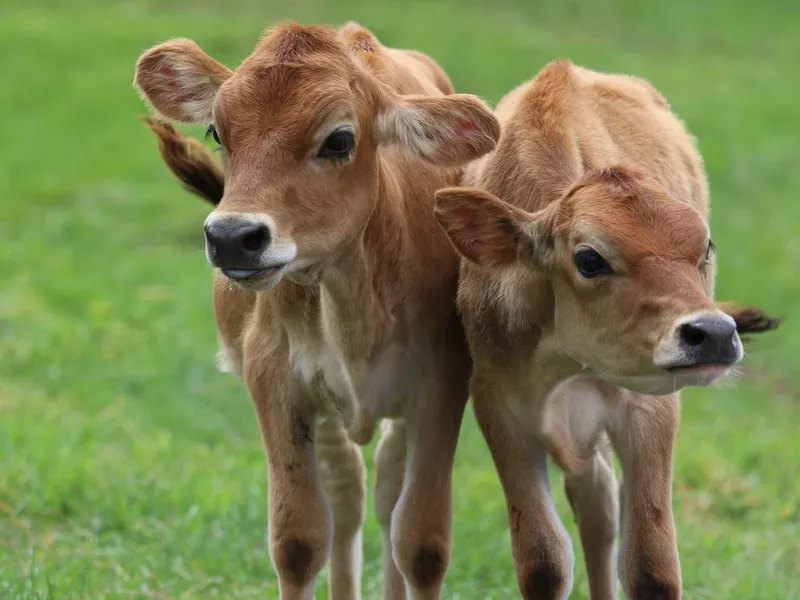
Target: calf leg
pixel 390 459
pixel 422 519
pixel 299 520
pixel 343 479
pixel 540 545
pixel 592 494
pixel 644 438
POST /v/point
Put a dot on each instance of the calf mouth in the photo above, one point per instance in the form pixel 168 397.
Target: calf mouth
pixel 702 368
pixel 250 275
pixel 700 375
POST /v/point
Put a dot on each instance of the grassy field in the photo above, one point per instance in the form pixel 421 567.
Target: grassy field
pixel 130 468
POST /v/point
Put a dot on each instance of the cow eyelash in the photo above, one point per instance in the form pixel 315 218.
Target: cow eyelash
pixel 711 248
pixel 211 132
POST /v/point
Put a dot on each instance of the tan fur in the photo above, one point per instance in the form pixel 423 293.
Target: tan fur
pixel 585 160
pixel 361 324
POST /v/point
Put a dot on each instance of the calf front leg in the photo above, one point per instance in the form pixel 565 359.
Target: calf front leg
pixel 390 464
pixel 540 546
pixel 644 439
pixel 343 479
pixel 422 518
pixel 573 418
pixel 299 520
pixel 592 494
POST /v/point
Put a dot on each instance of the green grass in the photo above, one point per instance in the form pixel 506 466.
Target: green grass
pixel 130 468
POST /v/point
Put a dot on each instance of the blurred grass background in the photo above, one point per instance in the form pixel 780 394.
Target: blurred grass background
pixel 130 468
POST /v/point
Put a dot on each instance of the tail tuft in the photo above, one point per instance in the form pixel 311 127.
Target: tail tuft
pixel 190 161
pixel 750 319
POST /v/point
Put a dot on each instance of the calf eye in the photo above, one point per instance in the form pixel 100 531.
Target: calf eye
pixel 211 132
pixel 591 264
pixel 711 249
pixel 338 145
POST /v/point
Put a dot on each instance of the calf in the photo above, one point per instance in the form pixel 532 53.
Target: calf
pixel 587 300
pixel 335 289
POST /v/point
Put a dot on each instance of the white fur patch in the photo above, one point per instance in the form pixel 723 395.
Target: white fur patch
pixel 320 369
pixel 198 111
pixel 574 413
pixel 229 361
pixel 410 128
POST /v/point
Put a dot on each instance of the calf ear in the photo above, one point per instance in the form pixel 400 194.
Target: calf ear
pixel 180 81
pixel 445 130
pixel 485 229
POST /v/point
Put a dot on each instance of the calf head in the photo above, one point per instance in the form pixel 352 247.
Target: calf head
pixel 631 269
pixel 299 125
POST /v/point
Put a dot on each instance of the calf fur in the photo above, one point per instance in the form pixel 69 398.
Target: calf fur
pixel 335 289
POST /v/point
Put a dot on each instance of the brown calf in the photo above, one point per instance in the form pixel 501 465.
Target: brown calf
pixel 587 301
pixel 335 290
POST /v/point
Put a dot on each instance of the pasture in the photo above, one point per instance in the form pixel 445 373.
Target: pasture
pixel 131 468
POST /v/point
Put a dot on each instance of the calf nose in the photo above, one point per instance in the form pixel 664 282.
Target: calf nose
pixel 234 243
pixel 710 340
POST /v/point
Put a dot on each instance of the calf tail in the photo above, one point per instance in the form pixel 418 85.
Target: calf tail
pixel 750 319
pixel 187 158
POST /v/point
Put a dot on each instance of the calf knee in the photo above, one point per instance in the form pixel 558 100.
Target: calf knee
pixel 428 567
pixel 298 560
pixel 423 565
pixel 545 581
pixel 421 544
pixel 648 586
pixel 546 574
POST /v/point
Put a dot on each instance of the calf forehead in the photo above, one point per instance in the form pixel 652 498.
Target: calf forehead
pixel 645 225
pixel 290 77
pixel 282 102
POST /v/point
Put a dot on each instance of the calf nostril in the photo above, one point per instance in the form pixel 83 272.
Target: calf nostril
pixel 255 240
pixel 693 336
